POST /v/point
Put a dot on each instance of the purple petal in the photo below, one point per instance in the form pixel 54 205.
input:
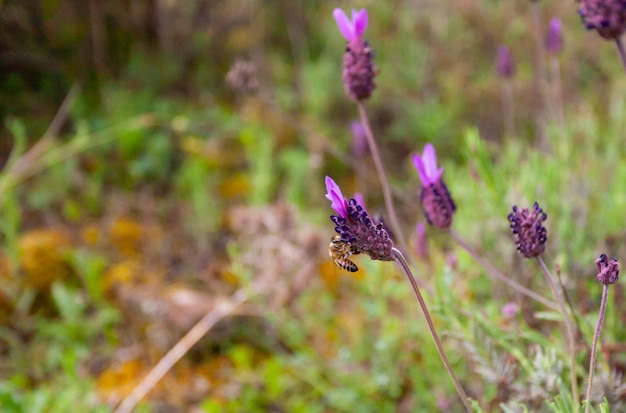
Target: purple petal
pixel 430 163
pixel 345 25
pixel 426 165
pixel 336 198
pixel 358 197
pixel 419 165
pixel 359 20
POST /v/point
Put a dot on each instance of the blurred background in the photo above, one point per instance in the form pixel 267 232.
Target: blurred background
pixel 160 155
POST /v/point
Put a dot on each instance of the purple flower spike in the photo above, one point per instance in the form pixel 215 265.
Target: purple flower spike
pixel 528 229
pixel 355 227
pixel 334 195
pixel 427 166
pixel 352 30
pixel 608 271
pixel 359 69
pixel 554 39
pixel 436 200
pixel 504 62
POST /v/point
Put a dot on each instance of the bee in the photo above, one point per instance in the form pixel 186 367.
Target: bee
pixel 339 250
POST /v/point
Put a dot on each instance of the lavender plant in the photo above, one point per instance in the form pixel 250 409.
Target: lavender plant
pixel 608 274
pixel 364 235
pixel 439 208
pixel 359 72
pixel 530 240
pixel 369 236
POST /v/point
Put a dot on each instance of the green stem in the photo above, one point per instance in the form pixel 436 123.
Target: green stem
pixel 433 331
pixel 384 182
pixel 594 346
pixel 508 109
pixel 620 49
pixel 494 273
pixel 569 326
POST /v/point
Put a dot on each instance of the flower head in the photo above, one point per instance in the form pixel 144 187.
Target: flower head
pixel 527 227
pixel 242 76
pixel 608 17
pixel 554 38
pixel 355 227
pixel 505 66
pixel 351 30
pixel 437 202
pixel 359 69
pixel 608 271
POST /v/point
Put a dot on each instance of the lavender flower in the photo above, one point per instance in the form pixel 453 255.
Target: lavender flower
pixel 437 202
pixel 355 226
pixel 505 66
pixel 334 195
pixel 554 38
pixel 358 64
pixel 527 227
pixel 608 271
pixel 608 17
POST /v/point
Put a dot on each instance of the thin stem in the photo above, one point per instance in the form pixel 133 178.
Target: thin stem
pixel 384 182
pixel 494 273
pixel 38 149
pixel 569 326
pixel 508 109
pixel 433 331
pixel 221 310
pixel 568 301
pixel 557 96
pixel 620 49
pixel 596 335
pixel 539 72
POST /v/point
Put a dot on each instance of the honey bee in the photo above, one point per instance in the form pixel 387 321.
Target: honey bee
pixel 339 250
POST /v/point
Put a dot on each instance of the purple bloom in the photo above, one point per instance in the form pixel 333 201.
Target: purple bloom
pixel 353 30
pixel 359 69
pixel 528 230
pixel 554 39
pixel 608 17
pixel 355 227
pixel 358 197
pixel 436 200
pixel 504 62
pixel 608 271
pixel 427 166
pixel 334 195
